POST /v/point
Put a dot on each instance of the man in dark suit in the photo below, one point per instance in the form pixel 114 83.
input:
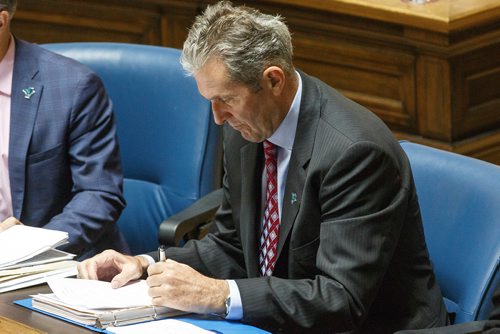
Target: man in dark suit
pixel 333 241
pixel 59 164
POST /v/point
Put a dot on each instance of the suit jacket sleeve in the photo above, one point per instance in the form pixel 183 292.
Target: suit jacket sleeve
pixel 93 157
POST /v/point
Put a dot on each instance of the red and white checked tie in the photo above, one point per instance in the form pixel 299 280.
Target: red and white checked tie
pixel 271 219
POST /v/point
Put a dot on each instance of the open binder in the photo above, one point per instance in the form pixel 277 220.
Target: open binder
pixel 101 318
pixel 214 325
pixel 28 303
pixel 96 304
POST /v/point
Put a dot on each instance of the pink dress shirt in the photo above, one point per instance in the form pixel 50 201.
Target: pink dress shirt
pixel 6 69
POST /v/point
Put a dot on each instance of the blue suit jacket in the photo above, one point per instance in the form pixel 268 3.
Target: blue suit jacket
pixel 64 165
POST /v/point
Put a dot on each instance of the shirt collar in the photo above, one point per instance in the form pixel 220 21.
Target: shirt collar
pixel 7 68
pixel 285 134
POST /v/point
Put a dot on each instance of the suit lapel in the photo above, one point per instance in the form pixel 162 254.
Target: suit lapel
pixel 251 167
pixel 24 108
pixel 301 154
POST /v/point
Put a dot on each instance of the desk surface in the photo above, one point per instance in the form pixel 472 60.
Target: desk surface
pixel 34 319
pixel 54 326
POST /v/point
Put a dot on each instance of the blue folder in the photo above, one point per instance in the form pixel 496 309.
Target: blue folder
pixel 214 325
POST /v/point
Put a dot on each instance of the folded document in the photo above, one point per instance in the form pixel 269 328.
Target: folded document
pixel 13 279
pixel 28 257
pixel 22 243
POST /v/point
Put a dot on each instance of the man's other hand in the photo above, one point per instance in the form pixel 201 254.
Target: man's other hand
pixel 113 267
pixel 9 222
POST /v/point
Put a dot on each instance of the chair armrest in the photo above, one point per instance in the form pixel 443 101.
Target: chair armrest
pixel 176 227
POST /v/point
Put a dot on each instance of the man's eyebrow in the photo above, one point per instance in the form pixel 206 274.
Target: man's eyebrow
pixel 221 97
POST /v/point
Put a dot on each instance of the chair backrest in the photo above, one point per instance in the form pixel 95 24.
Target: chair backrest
pixel 170 146
pixel 460 204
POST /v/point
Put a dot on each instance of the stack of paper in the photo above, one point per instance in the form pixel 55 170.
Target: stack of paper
pixel 97 304
pixel 28 257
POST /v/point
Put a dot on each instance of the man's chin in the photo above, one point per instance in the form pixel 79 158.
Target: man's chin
pixel 249 137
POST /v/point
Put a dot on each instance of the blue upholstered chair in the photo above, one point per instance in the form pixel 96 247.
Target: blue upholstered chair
pixel 170 147
pixel 460 204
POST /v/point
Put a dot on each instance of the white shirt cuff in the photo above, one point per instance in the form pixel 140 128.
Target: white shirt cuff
pixel 235 311
pixel 148 258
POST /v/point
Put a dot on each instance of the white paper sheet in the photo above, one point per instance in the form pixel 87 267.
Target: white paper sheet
pixel 100 295
pixel 49 256
pixel 21 242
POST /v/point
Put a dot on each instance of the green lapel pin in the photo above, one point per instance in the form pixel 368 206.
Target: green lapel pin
pixel 28 92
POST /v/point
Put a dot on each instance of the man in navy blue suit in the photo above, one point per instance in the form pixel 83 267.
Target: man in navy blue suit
pixel 59 157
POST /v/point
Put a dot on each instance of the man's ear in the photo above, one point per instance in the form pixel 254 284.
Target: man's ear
pixel 4 20
pixel 274 79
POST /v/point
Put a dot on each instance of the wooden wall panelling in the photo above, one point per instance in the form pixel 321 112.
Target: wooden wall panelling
pixel 433 96
pixel 177 17
pixel 51 21
pixel 430 72
pixel 484 146
pixel 156 22
pixel 380 78
pixel 478 92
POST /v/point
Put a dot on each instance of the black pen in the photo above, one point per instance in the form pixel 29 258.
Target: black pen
pixel 162 257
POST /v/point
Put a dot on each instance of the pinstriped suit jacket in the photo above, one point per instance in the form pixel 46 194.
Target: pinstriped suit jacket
pixel 64 166
pixel 351 253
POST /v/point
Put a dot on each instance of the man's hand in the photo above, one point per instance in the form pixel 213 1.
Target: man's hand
pixel 114 267
pixel 9 222
pixel 179 286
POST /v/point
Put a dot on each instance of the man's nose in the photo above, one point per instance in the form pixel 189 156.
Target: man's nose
pixel 220 116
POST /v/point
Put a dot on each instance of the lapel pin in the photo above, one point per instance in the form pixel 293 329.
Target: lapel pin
pixel 28 92
pixel 294 198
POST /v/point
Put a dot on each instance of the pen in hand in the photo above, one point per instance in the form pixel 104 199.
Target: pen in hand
pixel 162 257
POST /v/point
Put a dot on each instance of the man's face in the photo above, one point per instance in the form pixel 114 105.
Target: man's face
pixel 253 114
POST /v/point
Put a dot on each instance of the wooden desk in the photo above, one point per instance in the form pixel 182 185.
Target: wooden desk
pixel 34 319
